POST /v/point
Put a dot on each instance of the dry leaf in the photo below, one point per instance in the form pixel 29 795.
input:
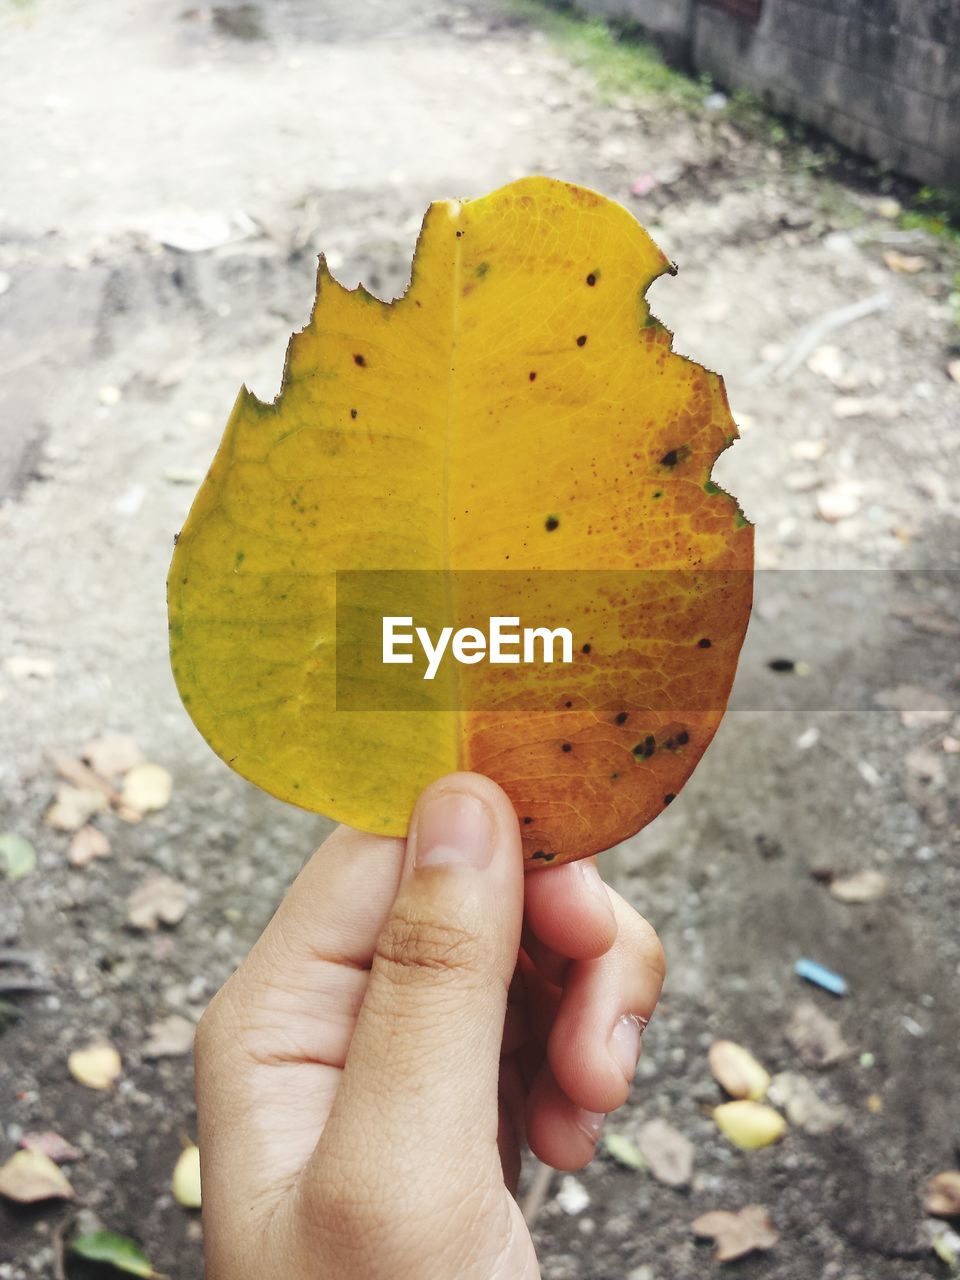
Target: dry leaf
pixel 803 1105
pixel 749 1125
pixel 953 369
pixel 186 1178
pixel 736 1234
pixel 73 807
pixel 904 263
pixel 828 362
pixel 862 886
pixel 918 707
pixel 82 776
pixel 667 1152
pixel 50 1144
pixel 29 1176
pixel 836 504
pixel 170 1038
pixel 147 787
pixel 24 667
pixel 97 1066
pixel 815 1036
pixel 246 611
pixel 159 900
pixel 808 450
pixel 87 844
pixel 873 407
pixel 737 1071
pixel 941 1196
pixel 113 754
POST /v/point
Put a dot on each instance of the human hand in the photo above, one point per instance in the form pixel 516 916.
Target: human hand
pixel 365 1086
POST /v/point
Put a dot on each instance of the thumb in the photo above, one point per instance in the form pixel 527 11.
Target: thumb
pixel 420 1082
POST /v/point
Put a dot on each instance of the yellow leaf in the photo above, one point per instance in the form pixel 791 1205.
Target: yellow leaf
pixel 97 1066
pixel 749 1125
pixel 737 1070
pixel 29 1176
pixel 517 411
pixel 186 1178
pixel 147 787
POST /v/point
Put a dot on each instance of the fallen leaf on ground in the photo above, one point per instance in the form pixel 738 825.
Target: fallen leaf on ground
pixel 159 900
pixel 953 369
pixel 918 707
pixel 815 1036
pixel 573 1196
pixel 170 1038
pixel 737 1234
pixel 904 263
pixel 17 856
pixel 112 755
pixel 24 667
pixel 926 617
pixel 923 779
pixel 147 787
pixel 941 1196
pixel 87 844
pixel 73 807
pixel 749 1125
pixel 737 1071
pixel 803 1105
pixel 836 504
pixel 97 1066
pixel 29 1176
pixel 872 407
pixel 81 775
pixel 808 450
pixel 51 1144
pixel 186 1178
pixel 828 362
pixel 624 1150
pixel 862 886
pixel 667 1152
pixel 116 1251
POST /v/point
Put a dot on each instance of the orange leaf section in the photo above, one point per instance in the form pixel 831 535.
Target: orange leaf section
pixel 516 410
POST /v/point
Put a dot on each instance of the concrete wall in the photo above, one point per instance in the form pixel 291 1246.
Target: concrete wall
pixel 880 76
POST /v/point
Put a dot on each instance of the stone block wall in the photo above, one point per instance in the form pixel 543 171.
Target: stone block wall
pixel 880 76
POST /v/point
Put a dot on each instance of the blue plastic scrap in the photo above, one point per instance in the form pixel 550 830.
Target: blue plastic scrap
pixel 821 977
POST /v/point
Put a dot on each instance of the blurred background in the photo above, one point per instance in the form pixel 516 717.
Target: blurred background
pixel 169 176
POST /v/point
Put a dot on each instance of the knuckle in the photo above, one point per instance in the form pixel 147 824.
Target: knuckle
pixel 414 948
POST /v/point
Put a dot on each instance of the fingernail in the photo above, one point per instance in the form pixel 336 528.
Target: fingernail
pixel 625 1045
pixel 590 1123
pixel 593 883
pixel 454 828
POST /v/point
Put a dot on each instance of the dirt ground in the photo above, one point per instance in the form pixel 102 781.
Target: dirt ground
pixel 294 128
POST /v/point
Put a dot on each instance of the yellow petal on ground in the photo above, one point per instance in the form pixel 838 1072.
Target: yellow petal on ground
pixel 749 1125
pixel 97 1066
pixel 186 1178
pixel 29 1176
pixel 737 1071
pixel 147 787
